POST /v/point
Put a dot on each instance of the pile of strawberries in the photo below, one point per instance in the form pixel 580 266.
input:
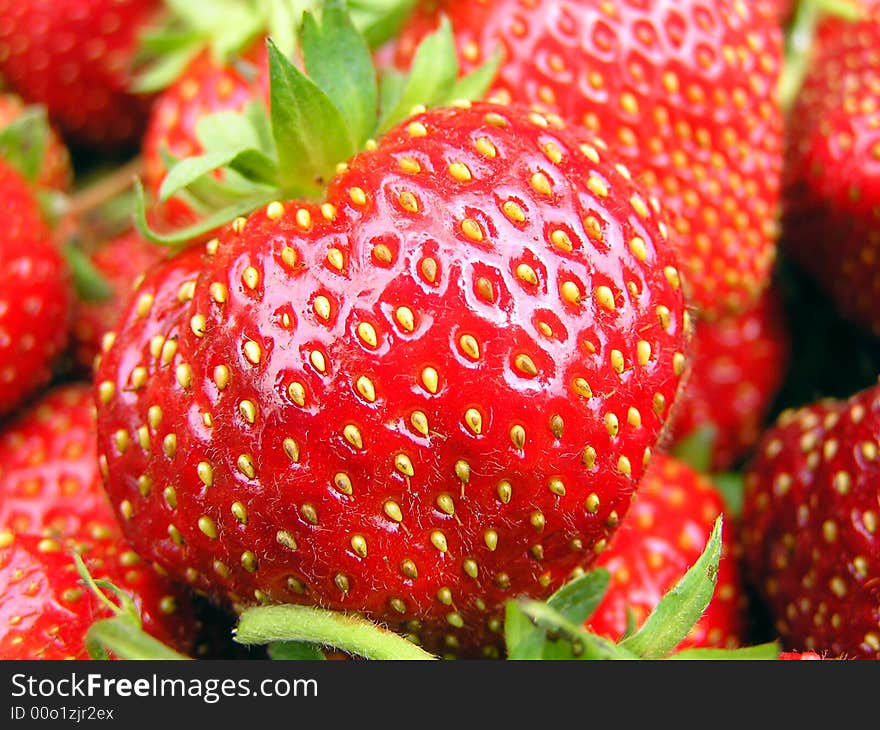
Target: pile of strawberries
pixel 466 319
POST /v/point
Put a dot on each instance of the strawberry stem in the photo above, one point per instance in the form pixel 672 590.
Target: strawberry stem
pixel 105 189
pixel 351 634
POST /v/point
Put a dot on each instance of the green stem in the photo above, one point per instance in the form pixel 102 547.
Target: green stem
pixel 799 43
pixel 353 635
pixel 121 637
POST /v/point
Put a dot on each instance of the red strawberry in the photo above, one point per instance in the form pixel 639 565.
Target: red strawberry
pixel 832 172
pixel 686 88
pixel 663 535
pixel 432 392
pixel 45 610
pixel 77 57
pixel 35 294
pixel 797 656
pixel 121 262
pixel 811 526
pixel 738 364
pixel 49 479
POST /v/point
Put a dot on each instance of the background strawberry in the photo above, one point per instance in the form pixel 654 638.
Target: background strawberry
pixel 738 365
pixel 809 526
pixel 663 535
pixel 77 58
pixel 35 146
pixel 35 294
pixel 687 89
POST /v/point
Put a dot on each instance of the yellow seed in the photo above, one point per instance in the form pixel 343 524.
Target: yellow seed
pixel 184 375
pixel 359 545
pixel 336 259
pixel 328 211
pixel 366 388
pixel 322 307
pixel 540 184
pixel 342 482
pixel 429 270
pixel 470 567
pixel 505 491
pixel 624 466
pixel 304 219
pixel 526 273
pixel 557 487
pixel 525 365
pixel 638 248
pixel 249 561
pixel 561 240
pixel 460 172
pixel 106 391
pixel 643 352
pixel 605 297
pixel 218 292
pixel 250 277
pixel 253 352
pixel 144 305
pixel 239 511
pixel 352 434
pixel 672 276
pixel 513 211
pixel 357 196
pixel 612 425
pixel 446 504
pixel 367 333
pixel 570 292
pixel 408 201
pixel 169 350
pixel 382 253
pixel 207 526
pixel 485 147
pixel 206 473
pixel 197 324
pixel 490 537
pixel 291 448
pixel 288 256
pixel 297 393
pixel 274 210
pixel 420 422
pixel 246 466
pixel 392 510
pixel 582 388
pixel 617 361
pixel 438 540
pixel 597 186
pixel 472 230
pixel 470 346
pixel 416 129
pixel 430 379
pixel 634 417
pixel 463 471
pixel 319 362
pixel 403 464
pixel 405 318
pixel 248 411
pixel 518 437
pixel 474 420
pixel 410 165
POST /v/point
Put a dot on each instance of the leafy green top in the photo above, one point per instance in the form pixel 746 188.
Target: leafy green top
pixel 318 117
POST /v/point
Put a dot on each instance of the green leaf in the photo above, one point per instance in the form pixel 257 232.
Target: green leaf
pixel 479 81
pixel 760 651
pixel 311 134
pixel 379 20
pixel 433 74
pixel 294 651
pixel 523 639
pixel 677 612
pixel 349 633
pixel 89 283
pixel 24 140
pixel 167 67
pixel 695 449
pixel 732 488
pixel 123 638
pixel 577 599
pixel 338 60
pixel 190 169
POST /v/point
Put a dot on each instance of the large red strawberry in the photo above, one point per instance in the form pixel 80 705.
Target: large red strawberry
pixel 811 526
pixel 832 172
pixel 663 535
pixel 432 390
pixel 77 58
pixel 686 88
pixel 46 610
pixel 35 294
pixel 738 364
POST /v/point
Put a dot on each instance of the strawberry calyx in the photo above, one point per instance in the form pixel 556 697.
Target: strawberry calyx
pixel 227 28
pixel 696 450
pixel 318 119
pixel 799 41
pixel 121 635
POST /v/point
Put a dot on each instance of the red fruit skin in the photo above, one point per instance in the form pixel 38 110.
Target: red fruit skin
pixel 810 526
pixel 832 170
pixel 76 57
pixel 49 479
pixel 206 87
pixel 122 262
pixel 798 656
pixel 738 365
pixel 685 87
pixel 663 535
pixel 56 172
pixel 35 295
pixel 279 424
pixel 45 610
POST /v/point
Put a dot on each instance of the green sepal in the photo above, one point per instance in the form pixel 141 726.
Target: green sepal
pixel 681 608
pixel 123 638
pixel 731 486
pixel 294 651
pixel 379 20
pixel 24 141
pixel 475 84
pixel 766 651
pixel 88 283
pixel 695 449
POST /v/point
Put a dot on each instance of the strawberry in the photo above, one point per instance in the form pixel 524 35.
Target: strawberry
pixel 832 179
pixel 738 365
pixel 49 479
pixel 459 355
pixel 45 610
pixel 35 294
pixel 51 501
pixel 810 526
pixel 77 58
pixel 662 536
pixel 121 262
pixel 685 88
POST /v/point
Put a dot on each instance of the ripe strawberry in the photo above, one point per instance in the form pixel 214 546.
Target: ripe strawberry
pixel 459 361
pixel 832 178
pixel 662 536
pixel 49 479
pixel 35 294
pixel 687 89
pixel 77 57
pixel 810 526
pixel 738 365
pixel 45 610
pixel 121 262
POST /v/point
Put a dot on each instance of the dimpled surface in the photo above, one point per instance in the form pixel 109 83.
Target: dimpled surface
pixel 35 294
pixel 811 522
pixel 76 57
pixel 662 537
pixel 686 87
pixel 832 174
pixel 428 394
